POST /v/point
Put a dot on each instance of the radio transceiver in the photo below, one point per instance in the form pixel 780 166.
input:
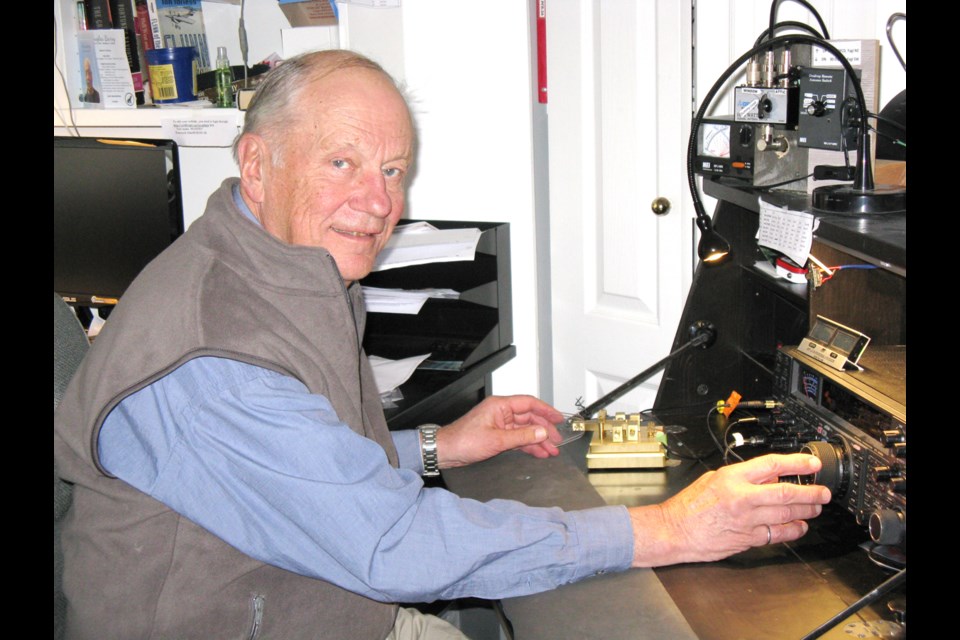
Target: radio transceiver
pixel 856 423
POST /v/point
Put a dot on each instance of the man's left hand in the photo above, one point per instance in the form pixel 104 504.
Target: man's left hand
pixel 500 424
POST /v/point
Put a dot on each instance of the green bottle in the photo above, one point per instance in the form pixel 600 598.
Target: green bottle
pixel 224 79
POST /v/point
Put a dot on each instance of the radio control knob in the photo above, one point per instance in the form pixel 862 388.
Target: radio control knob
pixel 898 485
pixel 891 436
pixel 816 108
pixel 900 449
pixel 831 459
pixel 886 474
pixel 887 526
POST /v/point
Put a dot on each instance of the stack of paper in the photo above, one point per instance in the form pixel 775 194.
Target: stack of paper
pixel 422 243
pixel 378 300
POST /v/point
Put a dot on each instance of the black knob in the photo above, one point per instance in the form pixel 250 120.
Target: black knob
pixel 899 449
pixel 816 108
pixel 831 458
pixel 898 485
pixel 885 474
pixel 887 526
pixel 891 436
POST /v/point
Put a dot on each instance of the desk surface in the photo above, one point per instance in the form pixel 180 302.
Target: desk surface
pixel 781 591
pixel 603 607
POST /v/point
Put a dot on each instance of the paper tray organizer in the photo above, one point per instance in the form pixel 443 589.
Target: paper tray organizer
pixel 458 333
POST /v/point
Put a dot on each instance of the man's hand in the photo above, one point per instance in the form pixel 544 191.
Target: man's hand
pixel 728 511
pixel 500 424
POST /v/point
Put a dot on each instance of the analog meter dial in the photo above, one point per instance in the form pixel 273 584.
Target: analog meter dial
pixel 715 140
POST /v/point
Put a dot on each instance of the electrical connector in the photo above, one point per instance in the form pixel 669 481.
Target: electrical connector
pixel 728 407
pixel 827 172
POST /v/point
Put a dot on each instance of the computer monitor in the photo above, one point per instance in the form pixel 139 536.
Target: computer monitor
pixel 116 205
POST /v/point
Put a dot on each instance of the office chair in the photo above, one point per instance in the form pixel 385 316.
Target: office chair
pixel 69 346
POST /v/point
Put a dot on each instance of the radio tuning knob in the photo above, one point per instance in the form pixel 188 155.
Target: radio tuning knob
pixel 831 474
pixel 887 526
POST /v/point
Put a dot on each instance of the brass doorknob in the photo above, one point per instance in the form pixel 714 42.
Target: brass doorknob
pixel 660 206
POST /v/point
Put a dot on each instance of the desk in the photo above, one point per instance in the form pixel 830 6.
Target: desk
pixel 613 606
pixel 781 591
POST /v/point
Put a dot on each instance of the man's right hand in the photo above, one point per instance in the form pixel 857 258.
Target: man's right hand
pixel 728 511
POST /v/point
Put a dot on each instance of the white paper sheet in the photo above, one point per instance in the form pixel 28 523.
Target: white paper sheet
pixel 786 231
pixel 422 243
pixel 390 374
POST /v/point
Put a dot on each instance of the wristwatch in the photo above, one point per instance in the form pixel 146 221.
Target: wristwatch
pixel 428 449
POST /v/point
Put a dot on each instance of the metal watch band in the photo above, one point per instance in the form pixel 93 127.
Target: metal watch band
pixel 428 449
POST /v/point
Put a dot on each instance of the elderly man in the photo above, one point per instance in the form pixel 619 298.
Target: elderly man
pixel 234 475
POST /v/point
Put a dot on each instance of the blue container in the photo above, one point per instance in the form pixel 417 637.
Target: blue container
pixel 173 74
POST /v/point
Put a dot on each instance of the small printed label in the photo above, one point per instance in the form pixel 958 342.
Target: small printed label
pixel 851 50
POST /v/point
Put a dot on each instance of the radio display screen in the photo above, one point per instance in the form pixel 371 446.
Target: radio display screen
pixel 842 403
pixel 809 384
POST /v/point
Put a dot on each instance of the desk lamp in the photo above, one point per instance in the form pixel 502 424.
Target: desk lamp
pixel 713 248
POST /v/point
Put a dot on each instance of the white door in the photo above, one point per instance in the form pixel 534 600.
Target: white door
pixel 619 115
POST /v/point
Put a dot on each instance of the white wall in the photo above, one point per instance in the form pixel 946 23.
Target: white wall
pixel 468 73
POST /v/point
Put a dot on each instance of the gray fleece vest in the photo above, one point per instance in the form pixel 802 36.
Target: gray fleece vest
pixel 136 569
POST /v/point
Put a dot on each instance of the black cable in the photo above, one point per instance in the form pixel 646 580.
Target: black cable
pixel 776 5
pixel 780 184
pixel 890 121
pixel 885 588
pixel 890 22
pixel 726 454
pixel 684 409
pixel 729 448
pixel 710 430
pixel 878 560
pixel 892 138
pixel 787 24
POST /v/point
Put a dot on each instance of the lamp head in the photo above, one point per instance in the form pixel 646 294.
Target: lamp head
pixel 713 248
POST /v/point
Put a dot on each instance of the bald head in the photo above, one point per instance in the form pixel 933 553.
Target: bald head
pixel 277 103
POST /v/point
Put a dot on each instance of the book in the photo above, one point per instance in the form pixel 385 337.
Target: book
pixel 124 18
pixel 142 25
pixel 97 14
pixel 179 23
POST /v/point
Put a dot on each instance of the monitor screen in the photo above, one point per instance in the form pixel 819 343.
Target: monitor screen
pixel 116 205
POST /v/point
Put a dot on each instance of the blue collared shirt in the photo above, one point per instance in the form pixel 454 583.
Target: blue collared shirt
pixel 252 456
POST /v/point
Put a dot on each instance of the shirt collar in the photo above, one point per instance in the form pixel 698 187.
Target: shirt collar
pixel 242 205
